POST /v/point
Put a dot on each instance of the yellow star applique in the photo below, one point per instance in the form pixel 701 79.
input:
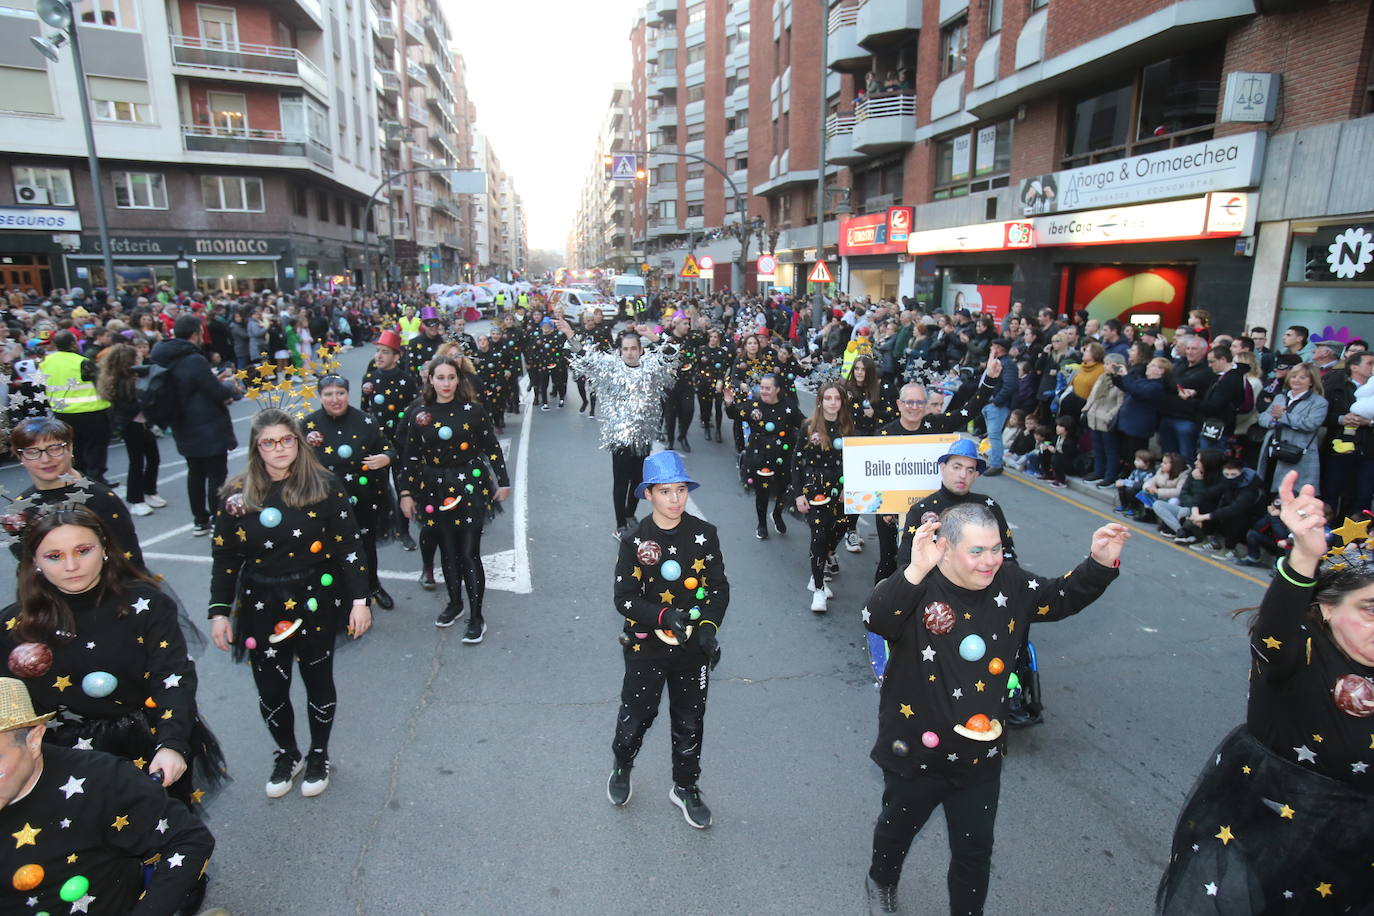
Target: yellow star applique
pixel 932 677
pixel 218 541
pixel 62 683
pixel 1287 812
pixel 698 565
pixel 967 615
pixel 164 644
pixel 666 597
pixel 1325 887
pixel 140 763
pixel 166 714
pixel 635 647
pixel 1225 835
pixel 905 710
pixel 1317 738
pixel 310 514
pixel 71 859
pixel 120 822
pixel 26 836
pixel 1011 625
pixel 243 535
pixel 980 685
pixel 196 796
pixel 1043 610
pixel 1273 643
pixel 9 624
pixel 1245 770
pixel 290 604
pixel 1352 530
pixel 638 573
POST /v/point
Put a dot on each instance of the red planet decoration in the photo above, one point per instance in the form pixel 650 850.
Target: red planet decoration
pixel 30 659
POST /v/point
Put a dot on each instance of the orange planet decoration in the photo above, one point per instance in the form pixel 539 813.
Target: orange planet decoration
pixel 27 877
pixel 996 666
pixel 820 499
pixel 980 728
pixel 463 446
pixel 150 703
pixel 978 723
pixel 449 503
pixel 690 583
pixel 284 629
pixel 316 547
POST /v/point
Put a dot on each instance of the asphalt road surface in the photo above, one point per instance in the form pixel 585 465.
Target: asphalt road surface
pixel 472 778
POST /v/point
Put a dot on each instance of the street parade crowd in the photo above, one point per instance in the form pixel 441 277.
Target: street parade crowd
pixel 1259 456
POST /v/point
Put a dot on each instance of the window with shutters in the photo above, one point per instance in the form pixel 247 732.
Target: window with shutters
pixel 139 190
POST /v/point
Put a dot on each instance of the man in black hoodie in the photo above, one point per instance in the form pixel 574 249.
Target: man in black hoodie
pixel 1179 423
pixel 1221 402
pixel 202 429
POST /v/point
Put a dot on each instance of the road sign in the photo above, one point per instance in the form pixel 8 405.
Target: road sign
pixel 820 274
pixel 690 269
pixel 706 262
pixel 624 166
pixel 708 273
pixel 767 265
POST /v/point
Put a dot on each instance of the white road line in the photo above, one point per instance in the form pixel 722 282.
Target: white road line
pixel 165 536
pixel 523 582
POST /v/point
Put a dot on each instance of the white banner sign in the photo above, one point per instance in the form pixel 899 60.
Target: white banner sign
pixel 889 474
pixel 959 168
pixel 40 219
pixel 986 155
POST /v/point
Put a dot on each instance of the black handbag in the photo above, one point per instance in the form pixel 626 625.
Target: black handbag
pixel 1287 452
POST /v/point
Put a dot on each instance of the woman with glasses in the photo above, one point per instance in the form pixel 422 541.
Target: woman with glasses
pixel 451 470
pixel 353 446
pixel 290 566
pixel 43 446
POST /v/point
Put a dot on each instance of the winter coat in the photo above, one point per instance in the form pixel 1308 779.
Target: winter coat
pixel 1301 426
pixel 1104 403
pixel 1139 413
pixel 1169 487
pixel 202 427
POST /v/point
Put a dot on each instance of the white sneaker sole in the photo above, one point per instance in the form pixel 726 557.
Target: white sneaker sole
pixel 469 641
pixel 311 789
pixel 278 789
pixel 811 587
pixel 682 806
pixel 627 797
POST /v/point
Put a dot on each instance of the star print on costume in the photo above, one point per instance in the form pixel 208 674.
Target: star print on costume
pixel 73 786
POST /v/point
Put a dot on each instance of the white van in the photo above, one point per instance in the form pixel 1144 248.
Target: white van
pixel 627 285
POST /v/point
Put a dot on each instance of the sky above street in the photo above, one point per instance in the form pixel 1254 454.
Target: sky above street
pixel 541 73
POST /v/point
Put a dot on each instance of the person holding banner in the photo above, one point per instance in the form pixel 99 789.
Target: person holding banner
pixel 767 458
pixel 816 473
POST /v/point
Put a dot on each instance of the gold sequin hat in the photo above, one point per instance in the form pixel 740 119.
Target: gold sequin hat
pixel 16 709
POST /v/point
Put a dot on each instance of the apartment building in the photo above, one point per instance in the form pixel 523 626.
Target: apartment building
pixel 500 245
pixel 603 232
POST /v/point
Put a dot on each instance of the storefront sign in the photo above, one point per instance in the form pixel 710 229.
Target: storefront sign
pixel 40 219
pixel 899 224
pixel 986 156
pixel 1215 165
pixel 1250 97
pixel 868 234
pixel 1019 234
pixel 187 246
pixel 977 237
pixel 888 474
pixel 1350 253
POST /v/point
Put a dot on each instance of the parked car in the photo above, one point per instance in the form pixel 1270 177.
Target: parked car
pixel 576 301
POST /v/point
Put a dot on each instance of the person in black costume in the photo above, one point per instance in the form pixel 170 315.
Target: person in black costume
pixel 679 397
pixel 767 458
pixel 950 617
pixel 423 345
pixel 288 563
pixel 1281 819
pixel 388 388
pixel 453 469
pixel 712 364
pixel 672 593
pixel 816 473
pixel 591 334
pixel 353 446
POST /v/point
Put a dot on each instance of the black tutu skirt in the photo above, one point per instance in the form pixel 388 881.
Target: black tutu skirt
pixel 265 601
pixel 1260 835
pixel 129 738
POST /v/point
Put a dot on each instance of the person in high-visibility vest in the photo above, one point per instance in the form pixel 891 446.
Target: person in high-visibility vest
pixel 500 300
pixel 410 324
pixel 524 300
pixel 71 392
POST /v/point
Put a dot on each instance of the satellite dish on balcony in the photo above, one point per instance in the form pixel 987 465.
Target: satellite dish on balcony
pixel 49 46
pixel 56 13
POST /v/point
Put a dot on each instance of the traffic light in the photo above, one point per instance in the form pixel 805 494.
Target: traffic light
pixel 467 265
pixel 641 174
pixel 608 162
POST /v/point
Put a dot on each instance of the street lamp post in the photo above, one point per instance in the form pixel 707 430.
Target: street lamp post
pixel 372 201
pixel 58 14
pixel 816 319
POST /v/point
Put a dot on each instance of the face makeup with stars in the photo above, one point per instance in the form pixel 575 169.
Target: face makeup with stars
pixel 70 558
pixel 21 753
pixel 959 474
pixel 669 501
pixel 335 400
pixel 1352 624
pixel 973 561
pixel 47 471
pixel 278 458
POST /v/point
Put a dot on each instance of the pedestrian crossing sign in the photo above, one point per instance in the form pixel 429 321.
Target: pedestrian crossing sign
pixel 624 167
pixel 820 274
pixel 690 269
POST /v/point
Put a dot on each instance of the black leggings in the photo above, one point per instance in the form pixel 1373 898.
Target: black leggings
pixel 887 548
pixel 588 398
pixel 559 376
pixel 687 678
pixel 706 400
pixel 313 653
pixel 970 814
pixel 825 535
pixel 367 523
pixel 763 492
pixel 144 460
pixel 539 381
pixel 627 471
pixel 678 407
pixel 460 555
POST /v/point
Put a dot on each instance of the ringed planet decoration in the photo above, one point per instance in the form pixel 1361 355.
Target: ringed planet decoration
pixel 284 630
pixel 980 728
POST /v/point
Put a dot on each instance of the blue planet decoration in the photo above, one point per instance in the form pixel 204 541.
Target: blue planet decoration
pixel 972 647
pixel 670 570
pixel 312 604
pixel 378 399
pixel 445 433
pixel 839 442
pixel 270 517
pixel 345 451
pixel 769 426
pixel 99 684
pixel 348 341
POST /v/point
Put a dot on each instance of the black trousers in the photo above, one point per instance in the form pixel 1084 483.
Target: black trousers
pixel 687 678
pixel 90 441
pixel 314 655
pixel 887 548
pixel 204 478
pixel 460 557
pixel 539 383
pixel 587 397
pixel 970 814
pixel 710 401
pixel 559 376
pixel 678 407
pixel 825 536
pixel 144 461
pixel 765 490
pixel 627 471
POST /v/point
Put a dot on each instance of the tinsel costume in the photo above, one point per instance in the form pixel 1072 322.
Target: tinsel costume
pixel 122 683
pixel 767 458
pixel 630 398
pixel 601 338
pixel 816 473
pixel 341 443
pixel 452 466
pixel 291 575
pixel 944 699
pixel 1281 819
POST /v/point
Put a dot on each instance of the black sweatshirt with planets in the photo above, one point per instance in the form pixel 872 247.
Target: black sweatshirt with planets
pixel 341 443
pixel 449 457
pixel 952 652
pixel 938 502
pixel 772 437
pixel 682 567
pixel 101 500
pixel 385 395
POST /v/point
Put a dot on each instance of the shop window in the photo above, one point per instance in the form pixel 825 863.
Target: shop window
pixel 1169 103
pixel 973 161
pixel 696 53
pixel 116 14
pixel 953 47
pixel 139 190
pixel 232 193
pixel 57 182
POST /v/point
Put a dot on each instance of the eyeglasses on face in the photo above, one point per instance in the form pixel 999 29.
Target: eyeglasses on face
pixel 912 402
pixel 34 453
pixel 272 445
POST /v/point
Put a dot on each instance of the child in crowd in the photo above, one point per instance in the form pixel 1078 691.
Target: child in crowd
pixel 1019 437
pixel 1269 535
pixel 1063 451
pixel 1038 459
pixel 1129 486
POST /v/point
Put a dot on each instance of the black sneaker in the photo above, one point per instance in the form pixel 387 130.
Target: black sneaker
pixel 618 787
pixel 778 523
pixel 477 628
pixel 694 810
pixel 448 616
pixel 832 568
pixel 882 898
pixel 316 774
pixel 200 530
pixel 427 580
pixel 284 770
pixel 407 542
pixel 761 532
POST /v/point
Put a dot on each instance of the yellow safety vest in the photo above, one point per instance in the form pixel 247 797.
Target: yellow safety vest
pixel 67 393
pixel 524 300
pixel 409 328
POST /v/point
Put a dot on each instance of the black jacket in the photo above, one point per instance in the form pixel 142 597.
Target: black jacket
pixel 202 427
pixel 1222 400
pixel 1199 378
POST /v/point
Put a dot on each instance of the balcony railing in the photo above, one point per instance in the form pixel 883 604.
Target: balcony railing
pixel 897 105
pixel 416 71
pixel 236 58
pixel 839 124
pixel 390 80
pixel 384 27
pixel 417 114
pixel 425 238
pixel 415 31
pixel 842 16
pixel 203 139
